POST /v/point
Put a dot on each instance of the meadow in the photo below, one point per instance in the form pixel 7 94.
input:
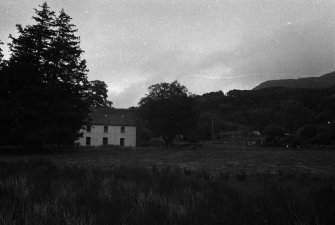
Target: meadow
pixel 168 186
pixel 232 159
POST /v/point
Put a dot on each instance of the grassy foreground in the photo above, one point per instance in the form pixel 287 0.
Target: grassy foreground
pixel 230 160
pixel 39 192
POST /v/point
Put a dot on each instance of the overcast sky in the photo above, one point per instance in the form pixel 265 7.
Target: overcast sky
pixel 207 45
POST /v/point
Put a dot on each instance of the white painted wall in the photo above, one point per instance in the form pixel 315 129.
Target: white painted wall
pixel 114 134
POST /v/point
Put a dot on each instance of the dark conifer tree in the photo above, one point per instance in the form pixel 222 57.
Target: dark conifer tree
pixel 69 79
pixel 3 95
pixel 66 54
pixel 47 80
pixel 33 43
pixel 1 55
pixel 27 80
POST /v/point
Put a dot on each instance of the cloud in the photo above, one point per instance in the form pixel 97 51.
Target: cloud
pixel 295 50
pixel 207 45
pixel 129 96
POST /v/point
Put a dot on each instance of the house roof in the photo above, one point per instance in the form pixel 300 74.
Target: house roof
pixel 111 116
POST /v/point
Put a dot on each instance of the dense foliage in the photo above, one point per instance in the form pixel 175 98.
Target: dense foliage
pixel 284 110
pixel 169 110
pixel 98 94
pixel 284 116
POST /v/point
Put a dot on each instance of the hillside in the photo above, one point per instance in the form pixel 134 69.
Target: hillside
pixel 324 81
pixel 307 114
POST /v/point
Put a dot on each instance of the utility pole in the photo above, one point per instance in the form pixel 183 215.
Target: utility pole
pixel 211 117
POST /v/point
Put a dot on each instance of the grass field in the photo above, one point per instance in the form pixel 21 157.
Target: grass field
pixel 233 160
pixel 170 186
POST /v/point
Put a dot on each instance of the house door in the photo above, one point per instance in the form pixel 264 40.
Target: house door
pixel 121 141
pixel 88 140
pixel 105 141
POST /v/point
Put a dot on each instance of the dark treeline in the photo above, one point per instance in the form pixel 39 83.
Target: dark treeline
pixel 45 96
pixel 306 116
pixel 284 116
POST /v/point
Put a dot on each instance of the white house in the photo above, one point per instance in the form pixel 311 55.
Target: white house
pixel 110 127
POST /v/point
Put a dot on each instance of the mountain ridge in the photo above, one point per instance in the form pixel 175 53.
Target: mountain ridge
pixel 324 81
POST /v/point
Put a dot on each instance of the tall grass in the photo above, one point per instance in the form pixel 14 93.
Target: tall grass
pixel 40 193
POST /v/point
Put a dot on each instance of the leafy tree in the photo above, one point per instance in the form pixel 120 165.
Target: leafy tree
pixel 169 109
pixel 97 96
pixel 211 100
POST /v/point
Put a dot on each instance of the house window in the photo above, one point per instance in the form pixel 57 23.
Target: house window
pixel 121 141
pixel 105 129
pixel 88 128
pixel 88 140
pixel 104 141
pixel 123 129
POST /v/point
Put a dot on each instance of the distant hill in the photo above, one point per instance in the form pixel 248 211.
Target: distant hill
pixel 325 81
